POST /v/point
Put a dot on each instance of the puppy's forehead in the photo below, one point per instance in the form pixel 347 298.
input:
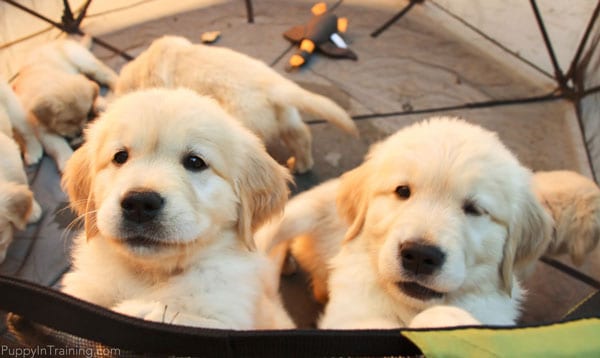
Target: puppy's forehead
pixel 448 151
pixel 163 120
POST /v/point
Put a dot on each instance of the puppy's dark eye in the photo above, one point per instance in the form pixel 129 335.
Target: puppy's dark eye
pixel 120 157
pixel 470 208
pixel 403 191
pixel 194 163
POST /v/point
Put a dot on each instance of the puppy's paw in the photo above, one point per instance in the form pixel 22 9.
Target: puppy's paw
pixel 443 316
pixel 61 160
pixel 33 153
pixel 138 308
pixel 35 214
pixel 100 105
pixel 300 165
pixel 161 312
pixel 111 82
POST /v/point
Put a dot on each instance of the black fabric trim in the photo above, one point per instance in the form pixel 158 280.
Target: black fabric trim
pixel 70 315
pixel 67 314
pixel 578 275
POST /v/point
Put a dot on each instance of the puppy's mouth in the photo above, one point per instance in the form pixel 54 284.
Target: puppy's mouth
pixel 417 291
pixel 143 241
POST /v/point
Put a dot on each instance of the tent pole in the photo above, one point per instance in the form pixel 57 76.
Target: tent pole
pixel 31 12
pixel 559 76
pixel 249 11
pixel 395 18
pixel 583 42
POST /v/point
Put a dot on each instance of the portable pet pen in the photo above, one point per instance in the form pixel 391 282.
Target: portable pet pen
pixel 528 70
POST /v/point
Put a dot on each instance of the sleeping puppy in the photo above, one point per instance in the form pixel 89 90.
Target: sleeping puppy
pixel 17 205
pixel 171 189
pixel 574 203
pixel 440 215
pixel 57 95
pixel 17 120
pixel 266 102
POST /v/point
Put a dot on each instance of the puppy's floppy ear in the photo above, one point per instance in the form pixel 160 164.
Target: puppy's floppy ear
pixel 529 232
pixel 77 183
pixel 19 201
pixel 44 109
pixel 352 200
pixel 262 189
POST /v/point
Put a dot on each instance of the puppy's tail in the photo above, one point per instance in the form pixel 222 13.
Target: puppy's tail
pixel 290 94
pixel 303 214
pixel 295 221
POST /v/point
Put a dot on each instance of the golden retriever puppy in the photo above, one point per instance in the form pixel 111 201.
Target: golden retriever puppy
pixel 17 119
pixel 439 218
pixel 574 203
pixel 266 102
pixel 17 204
pixel 171 189
pixel 57 95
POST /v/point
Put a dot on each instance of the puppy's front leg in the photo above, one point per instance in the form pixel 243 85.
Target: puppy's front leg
pixel 162 312
pixel 18 119
pixel 88 64
pixel 57 148
pixel 443 316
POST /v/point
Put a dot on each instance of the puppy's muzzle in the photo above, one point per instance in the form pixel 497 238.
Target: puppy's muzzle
pixel 141 206
pixel 421 260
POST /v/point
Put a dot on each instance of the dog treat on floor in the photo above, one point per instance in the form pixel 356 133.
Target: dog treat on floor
pixel 171 189
pixel 263 100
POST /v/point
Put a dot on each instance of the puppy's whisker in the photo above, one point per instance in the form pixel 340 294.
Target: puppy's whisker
pixel 164 314
pixel 76 224
pixel 65 209
pixel 175 316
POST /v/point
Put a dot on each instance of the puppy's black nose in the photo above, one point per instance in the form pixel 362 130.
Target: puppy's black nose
pixel 141 206
pixel 421 259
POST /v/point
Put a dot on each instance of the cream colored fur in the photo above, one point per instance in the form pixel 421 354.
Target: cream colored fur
pixel 190 259
pixel 57 95
pixel 263 100
pixel 17 204
pixel 574 202
pixel 468 196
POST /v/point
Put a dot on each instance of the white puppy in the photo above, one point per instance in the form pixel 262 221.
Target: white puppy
pixel 172 188
pixel 17 205
pixel 440 213
pixel 57 95
pixel 266 102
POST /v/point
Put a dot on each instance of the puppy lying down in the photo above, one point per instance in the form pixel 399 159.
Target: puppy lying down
pixel 17 204
pixel 430 230
pixel 263 100
pixel 56 91
pixel 171 189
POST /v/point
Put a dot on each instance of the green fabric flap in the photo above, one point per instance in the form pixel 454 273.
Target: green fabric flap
pixel 579 338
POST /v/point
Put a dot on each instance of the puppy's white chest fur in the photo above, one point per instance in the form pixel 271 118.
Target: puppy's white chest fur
pixel 193 290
